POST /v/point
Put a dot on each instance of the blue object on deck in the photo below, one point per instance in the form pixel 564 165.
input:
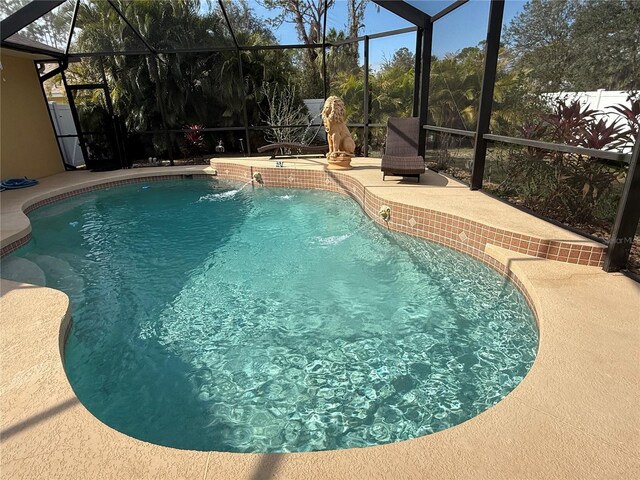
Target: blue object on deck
pixel 14 183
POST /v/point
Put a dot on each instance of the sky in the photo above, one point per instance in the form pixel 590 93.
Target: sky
pixel 464 27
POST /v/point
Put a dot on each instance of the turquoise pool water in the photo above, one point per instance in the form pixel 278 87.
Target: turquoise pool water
pixel 270 320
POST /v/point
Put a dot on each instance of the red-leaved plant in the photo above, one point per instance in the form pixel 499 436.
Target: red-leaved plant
pixel 566 121
pixel 194 143
pixel 598 135
pixel 631 116
pixel 573 188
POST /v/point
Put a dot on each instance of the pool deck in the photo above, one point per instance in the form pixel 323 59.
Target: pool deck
pixel 574 416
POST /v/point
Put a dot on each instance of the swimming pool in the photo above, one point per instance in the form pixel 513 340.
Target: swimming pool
pixel 271 320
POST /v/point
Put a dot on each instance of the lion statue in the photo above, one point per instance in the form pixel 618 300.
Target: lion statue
pixel 338 136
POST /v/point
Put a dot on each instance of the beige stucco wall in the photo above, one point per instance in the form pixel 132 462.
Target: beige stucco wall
pixel 28 143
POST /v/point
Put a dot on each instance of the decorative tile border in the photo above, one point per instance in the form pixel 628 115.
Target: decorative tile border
pixel 472 237
pixel 456 232
pixel 104 186
pixel 12 247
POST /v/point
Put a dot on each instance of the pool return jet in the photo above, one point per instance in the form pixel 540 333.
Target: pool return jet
pixel 256 177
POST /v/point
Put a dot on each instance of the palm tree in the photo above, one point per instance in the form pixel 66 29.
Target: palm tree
pixel 454 89
pixel 154 91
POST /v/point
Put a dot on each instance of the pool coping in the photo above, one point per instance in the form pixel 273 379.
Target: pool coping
pixel 573 416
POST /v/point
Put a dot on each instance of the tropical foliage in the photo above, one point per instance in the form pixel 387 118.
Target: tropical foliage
pixel 544 50
pixel 153 92
pixel 573 188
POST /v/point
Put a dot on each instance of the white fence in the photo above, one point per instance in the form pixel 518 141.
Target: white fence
pixel 600 100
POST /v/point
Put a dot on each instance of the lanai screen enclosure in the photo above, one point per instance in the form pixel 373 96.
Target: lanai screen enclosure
pixel 91 46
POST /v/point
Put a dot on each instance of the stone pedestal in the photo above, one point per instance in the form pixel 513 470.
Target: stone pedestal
pixel 339 161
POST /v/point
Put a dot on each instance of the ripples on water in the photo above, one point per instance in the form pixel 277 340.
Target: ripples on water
pixel 269 320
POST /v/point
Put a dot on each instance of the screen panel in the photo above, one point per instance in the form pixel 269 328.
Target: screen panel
pixel 51 30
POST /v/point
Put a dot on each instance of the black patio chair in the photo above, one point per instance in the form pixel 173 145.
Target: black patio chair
pixel 401 156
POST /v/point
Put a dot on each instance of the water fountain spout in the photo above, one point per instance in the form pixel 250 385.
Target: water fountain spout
pixel 257 176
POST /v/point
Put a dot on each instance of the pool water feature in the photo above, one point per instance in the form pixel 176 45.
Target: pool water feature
pixel 270 320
